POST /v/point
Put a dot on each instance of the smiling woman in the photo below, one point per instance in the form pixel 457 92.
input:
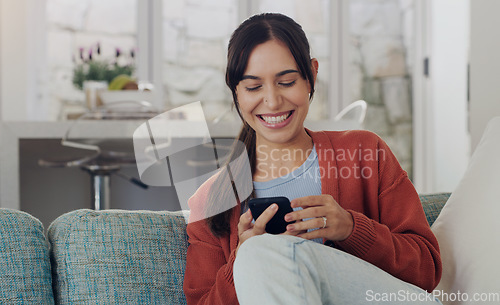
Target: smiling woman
pixel 357 224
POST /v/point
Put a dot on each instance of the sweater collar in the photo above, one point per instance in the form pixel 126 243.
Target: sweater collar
pixel 327 163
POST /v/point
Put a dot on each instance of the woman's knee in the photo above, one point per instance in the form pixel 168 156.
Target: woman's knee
pixel 257 242
pixel 266 244
pixel 260 251
pixel 255 248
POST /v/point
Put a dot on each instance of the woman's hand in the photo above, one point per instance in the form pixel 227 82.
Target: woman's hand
pixel 247 229
pixel 333 222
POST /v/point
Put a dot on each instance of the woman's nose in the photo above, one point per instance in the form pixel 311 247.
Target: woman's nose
pixel 273 99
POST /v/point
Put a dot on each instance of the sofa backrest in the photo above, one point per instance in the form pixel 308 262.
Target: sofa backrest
pixel 118 257
pixel 24 260
pixel 432 204
pixel 104 257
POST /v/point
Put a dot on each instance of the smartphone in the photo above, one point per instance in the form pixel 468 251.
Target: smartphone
pixel 277 224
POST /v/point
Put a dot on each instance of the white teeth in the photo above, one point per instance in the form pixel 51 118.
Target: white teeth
pixel 274 119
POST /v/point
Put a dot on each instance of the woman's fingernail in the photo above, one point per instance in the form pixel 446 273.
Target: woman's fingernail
pixel 274 207
pixel 290 227
pixel 288 217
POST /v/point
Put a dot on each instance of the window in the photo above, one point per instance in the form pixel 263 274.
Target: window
pixel 83 30
pixel 182 46
pixel 195 37
pixel 382 47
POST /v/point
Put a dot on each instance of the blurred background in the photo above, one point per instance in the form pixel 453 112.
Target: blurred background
pixel 427 70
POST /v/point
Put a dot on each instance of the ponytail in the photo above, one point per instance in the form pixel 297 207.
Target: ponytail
pixel 219 191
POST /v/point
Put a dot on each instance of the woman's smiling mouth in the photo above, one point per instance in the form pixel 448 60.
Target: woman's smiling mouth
pixel 276 120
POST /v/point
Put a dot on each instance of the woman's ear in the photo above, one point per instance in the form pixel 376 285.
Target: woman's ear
pixel 314 66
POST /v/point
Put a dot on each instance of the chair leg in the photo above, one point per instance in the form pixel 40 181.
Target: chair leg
pixel 100 193
pixel 100 185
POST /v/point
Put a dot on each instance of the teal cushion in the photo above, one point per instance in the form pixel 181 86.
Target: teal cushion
pixel 432 204
pixel 118 257
pixel 24 259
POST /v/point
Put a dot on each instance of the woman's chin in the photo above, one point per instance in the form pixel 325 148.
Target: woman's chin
pixel 278 136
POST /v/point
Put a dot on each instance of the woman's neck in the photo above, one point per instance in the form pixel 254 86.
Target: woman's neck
pixel 278 159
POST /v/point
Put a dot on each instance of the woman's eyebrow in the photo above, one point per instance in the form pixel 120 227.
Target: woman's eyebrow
pixel 249 77
pixel 286 72
pixel 277 74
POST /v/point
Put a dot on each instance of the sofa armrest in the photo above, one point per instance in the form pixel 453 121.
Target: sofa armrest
pixel 24 259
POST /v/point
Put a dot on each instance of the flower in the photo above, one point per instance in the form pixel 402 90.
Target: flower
pixel 91 66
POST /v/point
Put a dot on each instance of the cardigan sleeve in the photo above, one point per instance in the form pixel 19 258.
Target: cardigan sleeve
pixel 209 275
pixel 208 278
pixel 401 242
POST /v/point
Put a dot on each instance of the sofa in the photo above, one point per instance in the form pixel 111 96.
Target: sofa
pixel 103 257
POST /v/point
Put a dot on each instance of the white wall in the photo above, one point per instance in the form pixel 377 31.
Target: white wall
pixel 1 74
pixel 14 67
pixel 485 66
pixel 448 76
pixel 21 47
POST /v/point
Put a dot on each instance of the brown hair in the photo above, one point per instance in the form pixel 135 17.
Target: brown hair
pixel 256 30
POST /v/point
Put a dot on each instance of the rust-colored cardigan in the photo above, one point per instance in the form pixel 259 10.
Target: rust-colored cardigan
pixel 363 176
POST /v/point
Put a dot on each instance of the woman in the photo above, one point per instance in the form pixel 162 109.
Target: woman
pixel 361 234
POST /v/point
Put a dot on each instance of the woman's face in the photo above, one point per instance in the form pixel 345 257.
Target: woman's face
pixel 273 97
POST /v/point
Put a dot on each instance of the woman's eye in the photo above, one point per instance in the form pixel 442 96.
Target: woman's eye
pixel 287 84
pixel 253 88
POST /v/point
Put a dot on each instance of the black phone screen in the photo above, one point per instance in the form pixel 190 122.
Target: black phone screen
pixel 277 224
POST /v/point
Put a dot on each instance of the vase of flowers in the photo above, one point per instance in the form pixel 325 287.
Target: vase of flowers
pixel 93 72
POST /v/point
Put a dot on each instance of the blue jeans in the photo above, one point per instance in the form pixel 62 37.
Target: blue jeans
pixel 280 269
